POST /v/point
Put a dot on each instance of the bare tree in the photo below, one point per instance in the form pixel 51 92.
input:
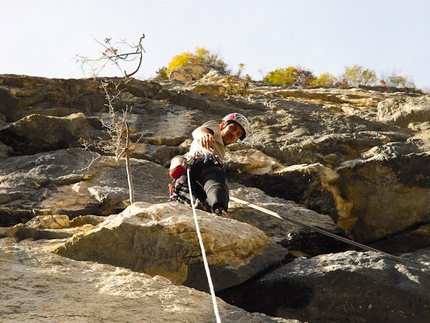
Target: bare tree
pixel 116 125
pixel 118 130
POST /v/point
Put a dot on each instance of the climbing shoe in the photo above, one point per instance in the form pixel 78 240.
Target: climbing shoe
pixel 221 212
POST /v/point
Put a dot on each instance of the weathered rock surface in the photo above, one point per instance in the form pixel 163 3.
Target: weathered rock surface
pixel 42 287
pixel 189 73
pixel 354 162
pixel 74 182
pixel 403 111
pixel 343 287
pixel 387 190
pixel 36 133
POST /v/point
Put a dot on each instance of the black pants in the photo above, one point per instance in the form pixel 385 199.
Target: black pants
pixel 208 183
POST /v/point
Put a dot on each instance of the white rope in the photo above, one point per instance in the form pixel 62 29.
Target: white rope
pixel 202 247
pixel 324 232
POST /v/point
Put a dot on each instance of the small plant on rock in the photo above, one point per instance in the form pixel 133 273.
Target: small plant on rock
pixel 235 86
pixel 400 81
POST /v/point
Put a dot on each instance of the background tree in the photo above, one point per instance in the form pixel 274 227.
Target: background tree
pixel 117 128
pixel 118 54
pixel 285 76
pixel 161 74
pixel 358 75
pixel 240 70
pixel 304 77
pixel 396 80
pixel 292 76
pixel 324 80
pixel 201 56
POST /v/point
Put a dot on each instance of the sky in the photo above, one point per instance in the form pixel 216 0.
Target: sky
pixel 44 37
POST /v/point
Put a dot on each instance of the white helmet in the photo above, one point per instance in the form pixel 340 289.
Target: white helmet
pixel 241 121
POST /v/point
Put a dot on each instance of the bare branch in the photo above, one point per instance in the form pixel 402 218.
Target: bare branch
pixel 114 55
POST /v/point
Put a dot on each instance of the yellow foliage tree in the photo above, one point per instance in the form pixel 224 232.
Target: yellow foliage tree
pixel 324 80
pixel 291 76
pixel 179 60
pixel 285 76
pixel 201 56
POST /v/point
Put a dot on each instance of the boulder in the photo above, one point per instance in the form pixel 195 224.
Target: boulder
pixel 389 192
pixel 188 73
pixel 162 240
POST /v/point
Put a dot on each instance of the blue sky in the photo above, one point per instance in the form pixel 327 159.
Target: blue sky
pixel 43 37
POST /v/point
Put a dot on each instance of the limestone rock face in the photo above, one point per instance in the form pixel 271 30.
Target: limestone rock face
pixel 353 162
pixel 21 95
pixel 387 194
pixel 285 232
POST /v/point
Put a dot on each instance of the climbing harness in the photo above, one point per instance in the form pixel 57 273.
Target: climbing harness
pixel 324 232
pixel 179 165
pixel 202 247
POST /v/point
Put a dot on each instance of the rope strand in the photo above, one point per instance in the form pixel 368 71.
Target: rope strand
pixel 329 234
pixel 202 247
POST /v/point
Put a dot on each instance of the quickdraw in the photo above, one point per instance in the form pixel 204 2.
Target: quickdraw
pixel 204 158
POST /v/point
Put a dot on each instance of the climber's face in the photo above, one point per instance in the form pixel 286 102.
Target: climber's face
pixel 230 132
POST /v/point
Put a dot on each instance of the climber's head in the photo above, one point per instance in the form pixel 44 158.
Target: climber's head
pixel 234 126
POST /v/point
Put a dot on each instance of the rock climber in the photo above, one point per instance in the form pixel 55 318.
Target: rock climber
pixel 205 161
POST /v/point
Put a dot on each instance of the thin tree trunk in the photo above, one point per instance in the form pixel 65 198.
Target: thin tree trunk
pixel 127 165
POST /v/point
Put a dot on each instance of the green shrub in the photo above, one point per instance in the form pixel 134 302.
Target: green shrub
pixel 162 74
pixel 399 81
pixel 358 75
